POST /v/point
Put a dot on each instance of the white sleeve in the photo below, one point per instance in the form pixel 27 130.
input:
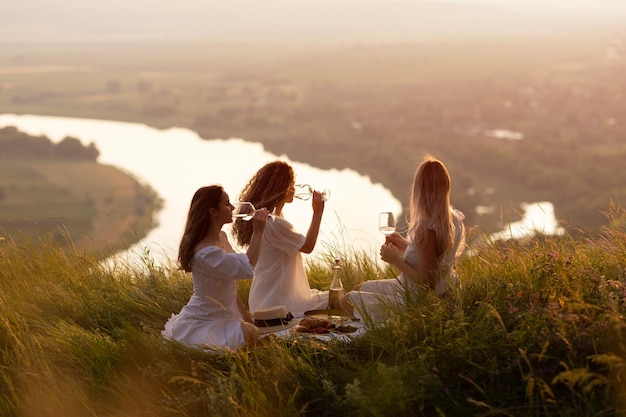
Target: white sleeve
pixel 220 264
pixel 459 232
pixel 280 234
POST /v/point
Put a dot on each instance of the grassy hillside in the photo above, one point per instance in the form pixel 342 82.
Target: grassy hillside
pixel 373 108
pixel 537 329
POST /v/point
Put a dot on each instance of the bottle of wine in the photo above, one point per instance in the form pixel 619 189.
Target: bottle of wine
pixel 336 291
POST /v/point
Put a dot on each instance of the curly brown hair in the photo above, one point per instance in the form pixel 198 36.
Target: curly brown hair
pixel 267 188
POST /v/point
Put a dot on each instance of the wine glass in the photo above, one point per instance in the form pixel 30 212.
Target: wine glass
pixel 304 192
pixel 386 223
pixel 243 210
pixel 326 194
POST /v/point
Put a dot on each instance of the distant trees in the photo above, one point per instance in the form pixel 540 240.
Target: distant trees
pixel 17 144
pixel 144 86
pixel 113 87
pixel 72 148
pixel 14 143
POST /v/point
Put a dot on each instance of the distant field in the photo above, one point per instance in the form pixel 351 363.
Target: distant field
pixel 429 63
pixel 96 207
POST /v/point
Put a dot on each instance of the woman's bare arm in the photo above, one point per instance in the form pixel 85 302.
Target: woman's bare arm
pixel 316 221
pixel 426 274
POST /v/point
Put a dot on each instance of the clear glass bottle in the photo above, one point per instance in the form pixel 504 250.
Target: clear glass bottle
pixel 336 292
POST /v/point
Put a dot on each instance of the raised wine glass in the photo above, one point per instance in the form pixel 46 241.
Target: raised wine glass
pixel 304 192
pixel 386 223
pixel 243 210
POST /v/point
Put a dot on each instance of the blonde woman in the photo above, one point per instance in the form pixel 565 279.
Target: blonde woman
pixel 425 259
pixel 279 276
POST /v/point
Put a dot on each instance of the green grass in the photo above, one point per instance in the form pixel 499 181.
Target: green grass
pixel 537 329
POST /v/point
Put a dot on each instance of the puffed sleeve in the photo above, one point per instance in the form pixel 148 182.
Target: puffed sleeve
pixel 459 235
pixel 219 264
pixel 281 234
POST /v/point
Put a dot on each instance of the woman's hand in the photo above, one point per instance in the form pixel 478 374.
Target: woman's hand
pixel 318 202
pixel 259 220
pixel 390 253
pixel 316 221
pixel 245 314
pixel 397 240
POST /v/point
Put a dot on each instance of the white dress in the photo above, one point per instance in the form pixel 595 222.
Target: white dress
pixel 279 275
pixel 374 295
pixel 211 318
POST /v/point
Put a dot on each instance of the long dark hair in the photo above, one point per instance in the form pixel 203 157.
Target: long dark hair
pixel 267 188
pixel 198 222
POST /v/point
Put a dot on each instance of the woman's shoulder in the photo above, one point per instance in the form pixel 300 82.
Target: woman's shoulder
pixel 279 225
pixel 279 221
pixel 209 250
pixel 213 256
pixel 456 213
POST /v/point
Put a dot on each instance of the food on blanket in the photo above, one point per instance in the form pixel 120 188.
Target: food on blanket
pixel 346 329
pixel 322 326
pixel 313 325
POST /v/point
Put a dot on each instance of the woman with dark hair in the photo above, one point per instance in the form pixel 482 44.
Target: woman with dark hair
pixel 425 259
pixel 215 316
pixel 279 277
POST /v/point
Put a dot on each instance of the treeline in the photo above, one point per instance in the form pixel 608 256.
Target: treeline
pixel 17 144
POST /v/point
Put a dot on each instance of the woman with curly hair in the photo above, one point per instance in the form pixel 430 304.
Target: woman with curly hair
pixel 279 276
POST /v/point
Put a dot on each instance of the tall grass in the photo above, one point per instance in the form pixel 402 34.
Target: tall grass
pixel 537 329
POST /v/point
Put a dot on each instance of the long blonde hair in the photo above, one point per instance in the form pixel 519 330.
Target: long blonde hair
pixel 267 188
pixel 430 204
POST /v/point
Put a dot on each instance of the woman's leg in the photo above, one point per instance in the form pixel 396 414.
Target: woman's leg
pixel 370 298
pixel 250 332
pixel 345 303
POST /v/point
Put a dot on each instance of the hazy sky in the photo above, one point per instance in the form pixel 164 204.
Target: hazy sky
pixel 311 19
pixel 549 6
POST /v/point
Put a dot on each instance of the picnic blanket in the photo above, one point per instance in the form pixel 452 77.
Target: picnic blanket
pixel 323 325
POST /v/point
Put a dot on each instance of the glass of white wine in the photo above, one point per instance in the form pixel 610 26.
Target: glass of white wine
pixel 304 192
pixel 386 223
pixel 243 210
